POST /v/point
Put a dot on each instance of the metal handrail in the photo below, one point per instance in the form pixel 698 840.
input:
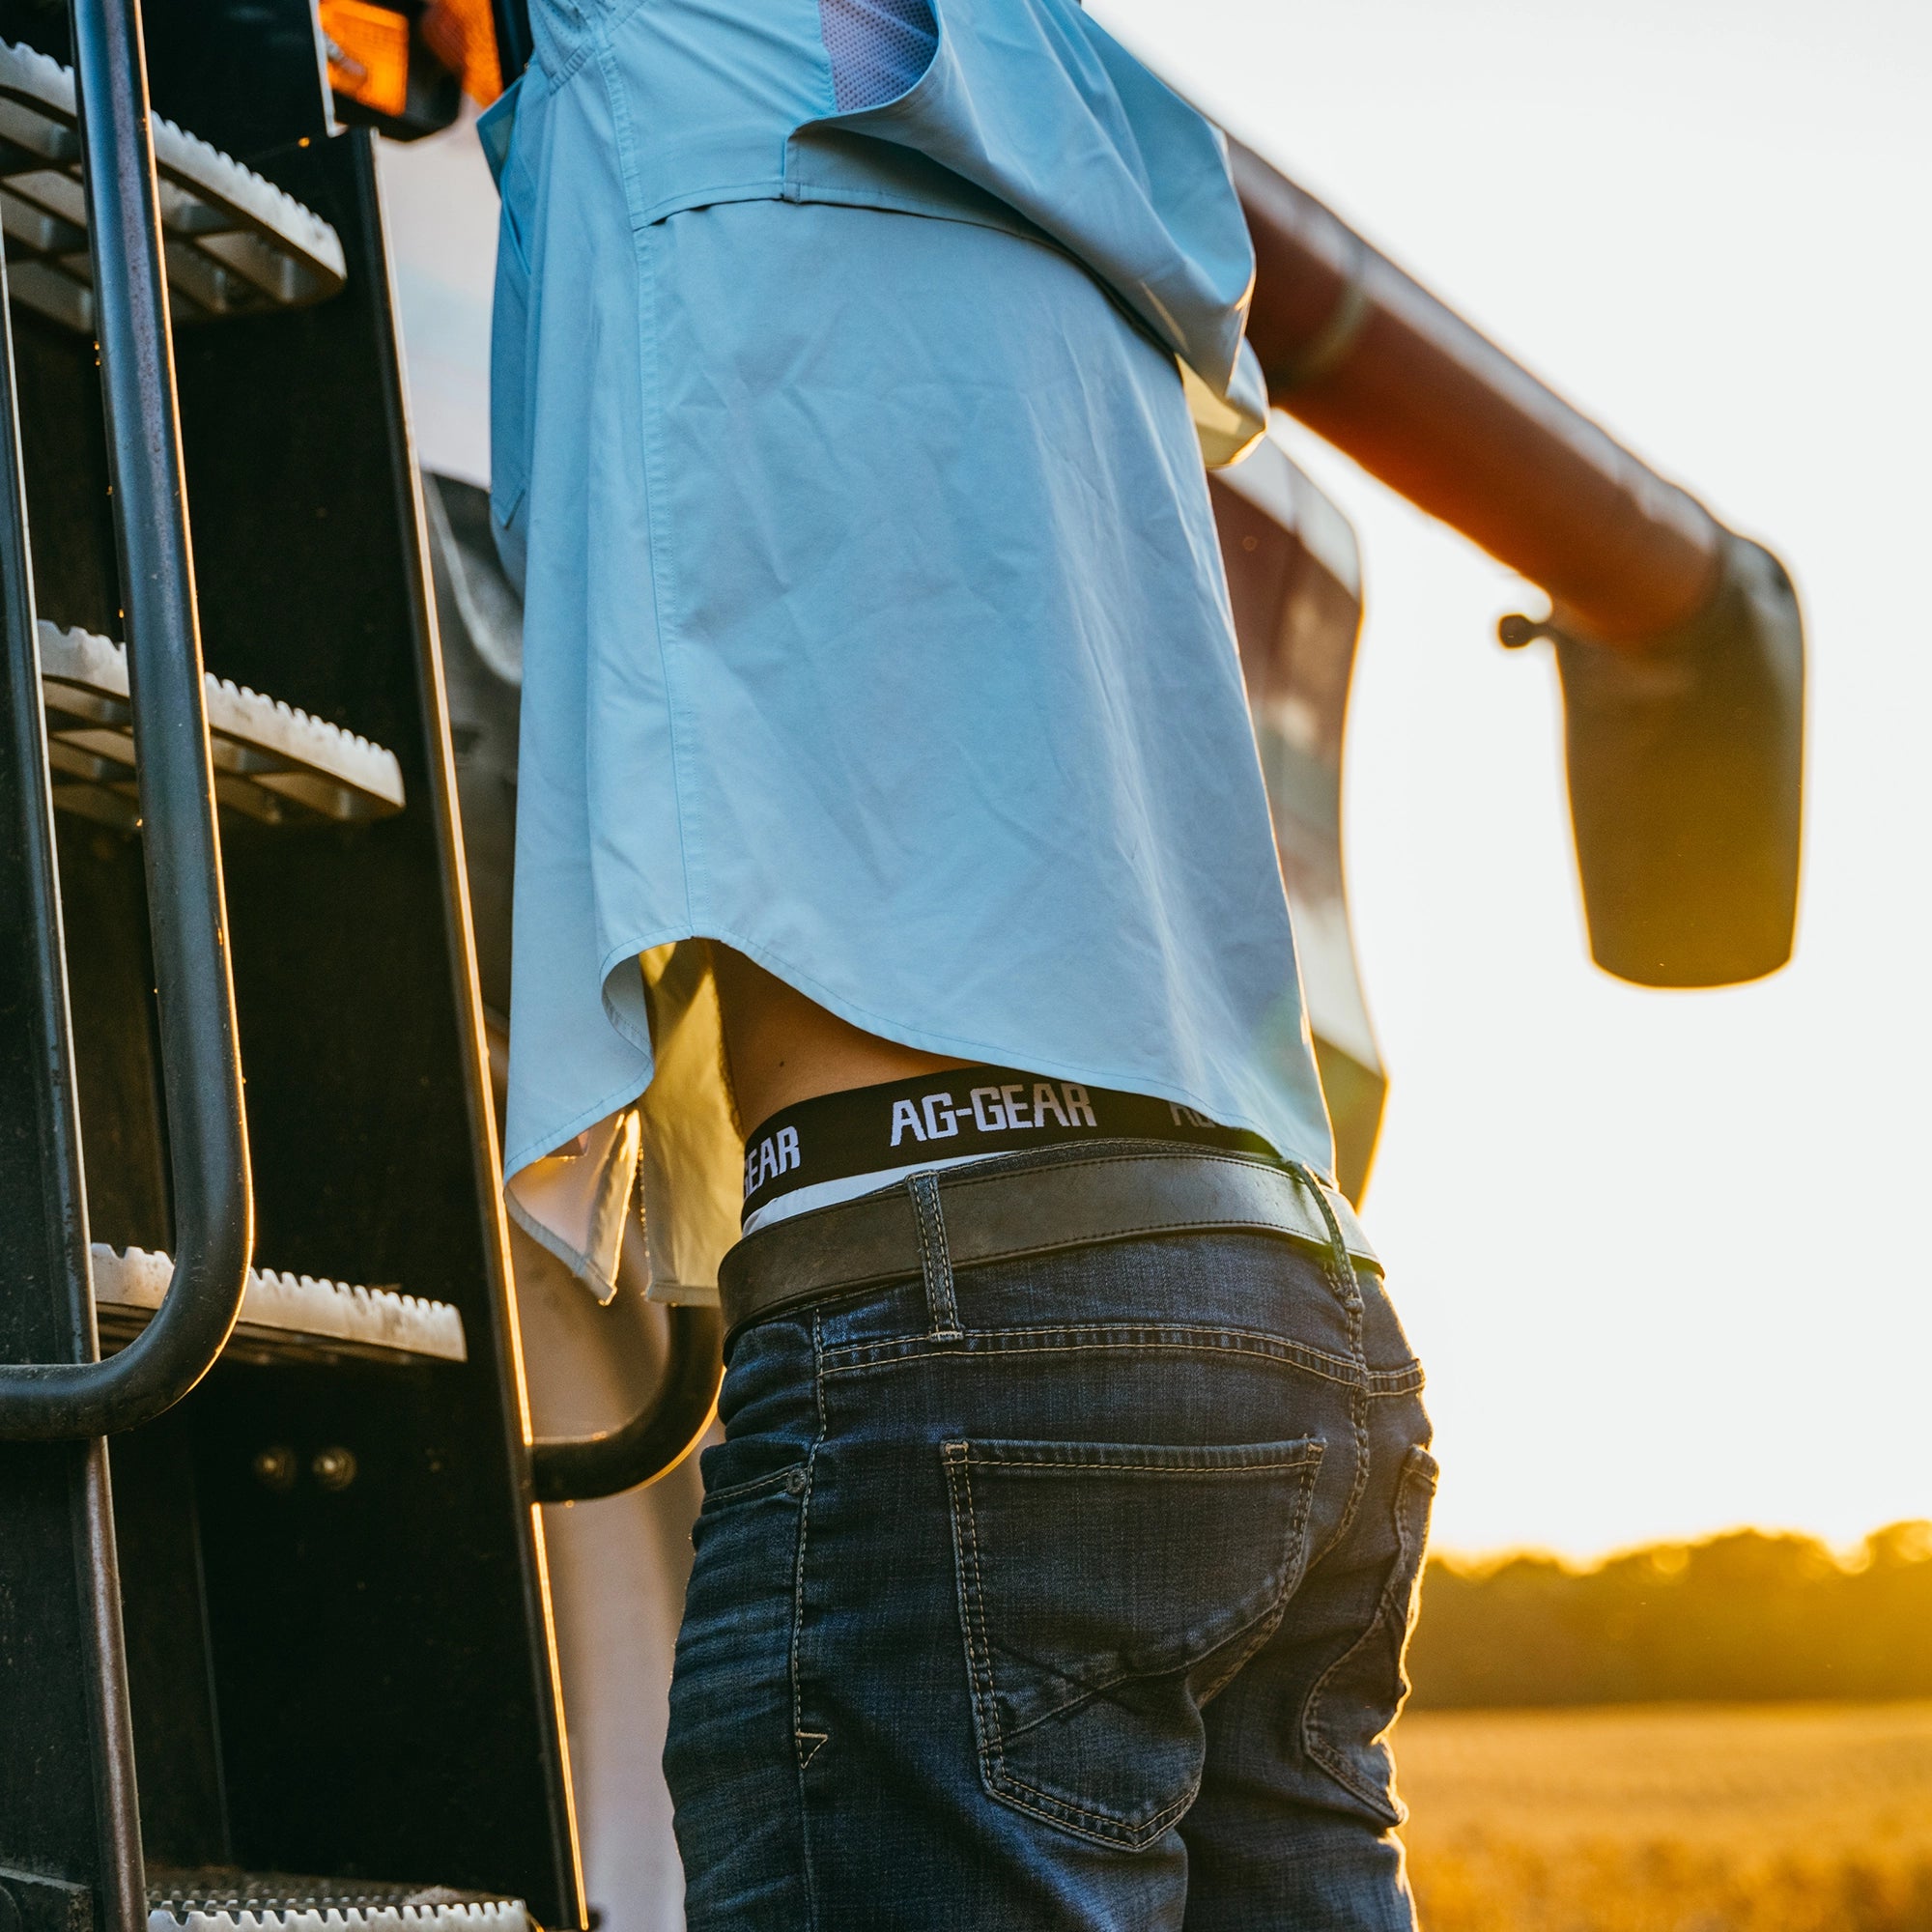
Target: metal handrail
pixel 674 1415
pixel 658 1437
pixel 201 1067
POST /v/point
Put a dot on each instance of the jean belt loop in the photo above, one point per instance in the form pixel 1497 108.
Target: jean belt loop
pixel 1341 1264
pixel 935 1263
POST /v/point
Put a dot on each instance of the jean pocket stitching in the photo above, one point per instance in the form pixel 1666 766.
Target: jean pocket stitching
pixel 1008 1786
pixel 1268 1622
pixel 1187 1460
pixel 1097 1826
pixel 1116 1338
pixel 1419 1471
pixel 738 1492
pixel 1240 1644
pixel 972 1605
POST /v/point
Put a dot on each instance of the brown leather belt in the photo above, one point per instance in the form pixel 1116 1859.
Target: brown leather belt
pixel 1002 1209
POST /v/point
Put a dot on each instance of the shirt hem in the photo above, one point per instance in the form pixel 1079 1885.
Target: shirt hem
pixel 581 1264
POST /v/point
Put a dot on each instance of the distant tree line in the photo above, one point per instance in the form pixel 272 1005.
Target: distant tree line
pixel 1742 1617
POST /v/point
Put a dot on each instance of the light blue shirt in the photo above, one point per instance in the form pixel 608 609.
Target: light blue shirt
pixel 875 618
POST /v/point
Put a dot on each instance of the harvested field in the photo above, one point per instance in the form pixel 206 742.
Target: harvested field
pixel 1671 1818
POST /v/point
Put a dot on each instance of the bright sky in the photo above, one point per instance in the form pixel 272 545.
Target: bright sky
pixel 1665 1255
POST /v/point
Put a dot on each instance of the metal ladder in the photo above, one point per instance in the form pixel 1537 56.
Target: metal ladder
pixel 301 1624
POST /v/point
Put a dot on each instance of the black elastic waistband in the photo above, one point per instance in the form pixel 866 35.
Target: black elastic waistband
pixel 964 1114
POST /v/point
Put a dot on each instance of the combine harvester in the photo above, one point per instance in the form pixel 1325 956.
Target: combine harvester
pixel 278 1630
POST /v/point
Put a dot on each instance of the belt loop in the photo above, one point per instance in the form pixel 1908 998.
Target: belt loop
pixel 1341 1264
pixel 935 1262
pixel 1342 1278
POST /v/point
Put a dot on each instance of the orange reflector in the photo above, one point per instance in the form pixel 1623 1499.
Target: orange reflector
pixel 368 55
pixel 464 36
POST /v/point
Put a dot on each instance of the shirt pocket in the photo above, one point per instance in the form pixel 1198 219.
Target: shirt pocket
pixel 1356 1700
pixel 1106 1592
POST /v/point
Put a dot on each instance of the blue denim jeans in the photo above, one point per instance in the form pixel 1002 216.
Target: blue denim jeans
pixel 1060 1593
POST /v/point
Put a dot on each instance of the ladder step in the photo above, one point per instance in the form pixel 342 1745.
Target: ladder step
pixel 221 1900
pixel 235 244
pixel 271 763
pixel 284 1315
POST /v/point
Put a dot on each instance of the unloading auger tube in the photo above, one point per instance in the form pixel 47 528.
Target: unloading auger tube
pixel 1679 644
pixel 200 1064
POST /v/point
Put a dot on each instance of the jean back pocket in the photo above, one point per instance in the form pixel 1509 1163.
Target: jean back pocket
pixel 1346 1721
pixel 1107 1591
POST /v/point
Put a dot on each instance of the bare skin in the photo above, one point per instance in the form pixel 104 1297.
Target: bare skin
pixel 782 1049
